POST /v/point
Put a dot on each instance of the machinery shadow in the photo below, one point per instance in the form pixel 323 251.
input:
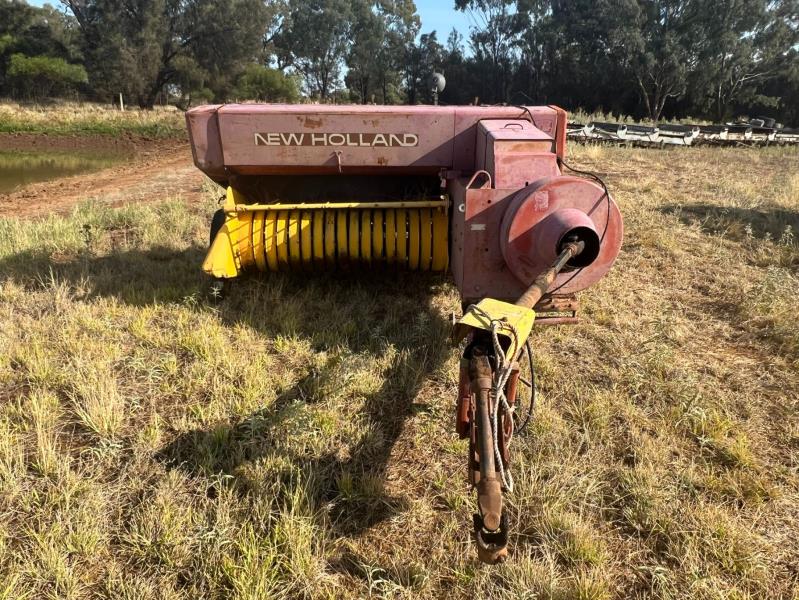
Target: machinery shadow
pixel 136 277
pixel 386 317
pixel 737 223
pixel 371 316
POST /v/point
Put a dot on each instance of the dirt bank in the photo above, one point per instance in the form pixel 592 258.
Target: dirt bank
pixel 157 169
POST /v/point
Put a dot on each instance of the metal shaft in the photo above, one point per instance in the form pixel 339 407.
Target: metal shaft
pixel 482 382
pixel 486 440
pixel 541 284
pixel 489 488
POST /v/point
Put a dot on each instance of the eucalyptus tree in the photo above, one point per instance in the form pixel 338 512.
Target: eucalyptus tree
pixel 39 51
pixel 493 38
pixel 318 39
pixel 744 43
pixel 422 59
pixel 368 37
pixel 138 47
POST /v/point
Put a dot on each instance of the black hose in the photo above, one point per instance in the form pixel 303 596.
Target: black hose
pixel 605 196
pixel 531 406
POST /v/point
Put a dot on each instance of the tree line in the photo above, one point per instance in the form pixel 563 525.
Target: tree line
pixel 650 59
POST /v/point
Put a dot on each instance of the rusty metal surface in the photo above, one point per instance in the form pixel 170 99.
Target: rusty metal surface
pixel 568 303
pixel 204 137
pixel 518 169
pixel 442 203
pixel 482 382
pixel 492 546
pixel 545 320
pixel 544 280
pixel 560 131
pixel 463 404
pixel 514 152
pixel 527 228
pixel 476 260
pixel 248 137
pixel 499 243
pixel 548 119
pixel 489 486
pixel 339 141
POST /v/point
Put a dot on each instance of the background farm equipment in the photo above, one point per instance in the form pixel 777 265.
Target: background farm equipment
pixel 756 132
pixel 477 191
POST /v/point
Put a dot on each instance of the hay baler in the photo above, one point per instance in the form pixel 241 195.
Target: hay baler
pixel 479 191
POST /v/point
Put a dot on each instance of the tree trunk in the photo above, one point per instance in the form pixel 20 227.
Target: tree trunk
pixel 654 113
pixel 645 95
pixel 365 90
pixel 719 104
pixel 147 101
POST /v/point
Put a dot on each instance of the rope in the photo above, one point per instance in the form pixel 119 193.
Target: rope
pixel 501 376
pixel 504 368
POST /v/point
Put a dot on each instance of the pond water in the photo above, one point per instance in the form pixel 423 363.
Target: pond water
pixel 21 167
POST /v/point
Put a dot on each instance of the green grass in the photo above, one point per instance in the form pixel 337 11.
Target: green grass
pixel 295 440
pixel 91 119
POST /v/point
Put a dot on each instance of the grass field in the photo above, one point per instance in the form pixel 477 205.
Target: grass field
pixel 296 440
pixel 90 119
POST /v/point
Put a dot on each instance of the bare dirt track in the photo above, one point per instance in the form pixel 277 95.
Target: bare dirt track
pixel 157 169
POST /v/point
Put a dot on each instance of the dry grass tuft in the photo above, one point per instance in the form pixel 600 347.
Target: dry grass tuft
pixel 294 441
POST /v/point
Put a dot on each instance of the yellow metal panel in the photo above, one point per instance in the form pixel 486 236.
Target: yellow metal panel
pixel 391 236
pixel 281 239
pixel 353 236
pixel 233 199
pixel 330 238
pixel 270 243
pixel 241 206
pixel 305 240
pixel 402 237
pixel 440 241
pixel 509 316
pixel 413 240
pixel 244 235
pixel 240 229
pixel 426 239
pixel 295 260
pixel 341 238
pixel 377 234
pixel 221 260
pixel 366 236
pixel 258 240
pixel 318 238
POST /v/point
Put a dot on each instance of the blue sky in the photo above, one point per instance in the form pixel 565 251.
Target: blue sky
pixel 442 16
pixel 436 14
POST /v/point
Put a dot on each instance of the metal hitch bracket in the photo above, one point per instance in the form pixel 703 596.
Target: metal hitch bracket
pixel 491 392
pixel 492 546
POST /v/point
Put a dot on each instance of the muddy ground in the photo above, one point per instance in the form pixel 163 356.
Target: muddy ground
pixel 157 169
